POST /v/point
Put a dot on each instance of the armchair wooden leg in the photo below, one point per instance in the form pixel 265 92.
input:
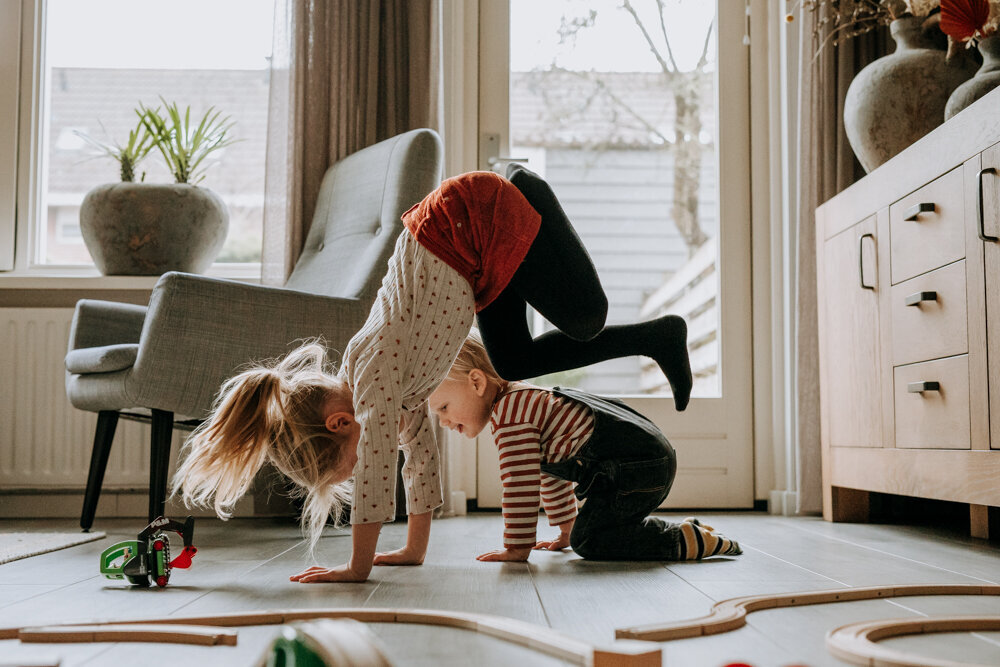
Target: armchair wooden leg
pixel 159 460
pixel 107 422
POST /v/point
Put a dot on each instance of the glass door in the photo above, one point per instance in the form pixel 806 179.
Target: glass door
pixel 636 112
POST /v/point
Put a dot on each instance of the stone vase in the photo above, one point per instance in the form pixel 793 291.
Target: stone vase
pixel 985 80
pixel 899 98
pixel 146 229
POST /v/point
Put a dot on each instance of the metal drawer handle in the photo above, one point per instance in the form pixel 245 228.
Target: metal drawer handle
pixel 861 260
pixel 917 209
pixel 922 386
pixel 917 297
pixel 982 229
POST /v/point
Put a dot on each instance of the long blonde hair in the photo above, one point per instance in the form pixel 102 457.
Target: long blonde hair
pixel 273 411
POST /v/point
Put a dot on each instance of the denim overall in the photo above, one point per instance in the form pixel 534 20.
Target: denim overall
pixel 624 471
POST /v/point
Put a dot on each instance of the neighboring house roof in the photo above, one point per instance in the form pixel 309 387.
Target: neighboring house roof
pixel 85 99
pixel 548 108
pixel 600 109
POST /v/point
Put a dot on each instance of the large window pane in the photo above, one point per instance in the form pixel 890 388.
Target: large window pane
pixel 103 57
pixel 614 104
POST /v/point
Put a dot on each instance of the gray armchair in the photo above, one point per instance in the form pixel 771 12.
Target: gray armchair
pixel 165 363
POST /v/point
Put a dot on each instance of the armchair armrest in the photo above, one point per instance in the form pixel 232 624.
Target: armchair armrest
pixel 199 332
pixel 100 323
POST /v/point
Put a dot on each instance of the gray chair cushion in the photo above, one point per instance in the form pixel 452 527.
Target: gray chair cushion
pixel 105 359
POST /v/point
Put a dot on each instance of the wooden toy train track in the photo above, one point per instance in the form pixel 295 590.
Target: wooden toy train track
pixel 634 646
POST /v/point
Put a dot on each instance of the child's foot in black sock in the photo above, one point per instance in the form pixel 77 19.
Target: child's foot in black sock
pixel 672 356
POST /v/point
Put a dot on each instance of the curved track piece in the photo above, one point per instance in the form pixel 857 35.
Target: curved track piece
pixel 855 643
pixel 731 614
pixel 623 653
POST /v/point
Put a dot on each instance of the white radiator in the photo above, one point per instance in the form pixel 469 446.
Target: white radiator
pixel 45 443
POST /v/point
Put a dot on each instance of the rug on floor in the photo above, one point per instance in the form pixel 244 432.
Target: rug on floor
pixel 14 546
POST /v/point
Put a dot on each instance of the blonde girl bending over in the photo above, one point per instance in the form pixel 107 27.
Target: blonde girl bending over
pixel 479 244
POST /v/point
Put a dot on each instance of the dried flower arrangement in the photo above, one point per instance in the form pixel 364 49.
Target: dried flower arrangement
pixel 840 20
pixel 969 21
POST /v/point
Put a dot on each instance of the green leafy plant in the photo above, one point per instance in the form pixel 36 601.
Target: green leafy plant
pixel 183 145
pixel 140 142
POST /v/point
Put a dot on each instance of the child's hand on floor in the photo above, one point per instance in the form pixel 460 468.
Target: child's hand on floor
pixel 512 555
pixel 560 542
pixel 404 556
pixel 317 575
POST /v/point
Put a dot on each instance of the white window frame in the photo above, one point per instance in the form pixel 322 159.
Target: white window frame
pixel 22 178
pixel 10 96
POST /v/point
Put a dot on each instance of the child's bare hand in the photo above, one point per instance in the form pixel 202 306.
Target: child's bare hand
pixel 511 555
pixel 317 575
pixel 399 557
pixel 557 544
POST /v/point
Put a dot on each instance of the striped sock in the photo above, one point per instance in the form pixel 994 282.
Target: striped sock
pixel 697 542
pixel 695 521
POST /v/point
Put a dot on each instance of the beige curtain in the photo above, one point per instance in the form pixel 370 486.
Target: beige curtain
pixel 345 74
pixel 827 166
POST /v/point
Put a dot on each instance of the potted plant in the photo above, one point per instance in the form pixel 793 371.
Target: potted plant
pixel 139 228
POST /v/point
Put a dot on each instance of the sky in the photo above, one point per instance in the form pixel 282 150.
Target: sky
pixel 194 34
pixel 171 34
pixel 614 43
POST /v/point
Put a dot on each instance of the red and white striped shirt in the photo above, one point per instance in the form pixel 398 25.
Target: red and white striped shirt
pixel 532 426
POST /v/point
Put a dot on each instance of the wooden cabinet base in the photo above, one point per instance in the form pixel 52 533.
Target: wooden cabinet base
pixel 850 505
pixel 956 476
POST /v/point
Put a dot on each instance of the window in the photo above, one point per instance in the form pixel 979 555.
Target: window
pixel 626 138
pixel 101 59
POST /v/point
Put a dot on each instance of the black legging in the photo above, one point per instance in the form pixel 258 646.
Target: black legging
pixel 559 280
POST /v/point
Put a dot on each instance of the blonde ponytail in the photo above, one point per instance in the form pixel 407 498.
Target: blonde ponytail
pixel 275 412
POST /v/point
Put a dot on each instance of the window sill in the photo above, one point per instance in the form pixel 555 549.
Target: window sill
pixel 88 278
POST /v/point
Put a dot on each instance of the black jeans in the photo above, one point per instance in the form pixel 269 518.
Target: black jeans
pixel 559 280
pixel 623 472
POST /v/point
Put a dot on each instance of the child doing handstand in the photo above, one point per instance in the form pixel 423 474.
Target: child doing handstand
pixel 552 440
pixel 478 244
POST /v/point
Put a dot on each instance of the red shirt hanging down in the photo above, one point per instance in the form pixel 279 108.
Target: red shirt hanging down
pixel 480 225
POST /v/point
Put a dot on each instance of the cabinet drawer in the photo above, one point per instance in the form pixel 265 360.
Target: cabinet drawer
pixel 926 237
pixel 934 324
pixel 933 418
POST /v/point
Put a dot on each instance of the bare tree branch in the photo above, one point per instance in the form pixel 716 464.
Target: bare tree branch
pixel 663 29
pixel 618 102
pixel 649 40
pixel 703 60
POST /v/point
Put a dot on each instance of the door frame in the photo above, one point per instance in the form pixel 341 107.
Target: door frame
pixel 747 340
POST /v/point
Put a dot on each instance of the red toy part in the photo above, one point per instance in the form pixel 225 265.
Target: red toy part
pixel 183 559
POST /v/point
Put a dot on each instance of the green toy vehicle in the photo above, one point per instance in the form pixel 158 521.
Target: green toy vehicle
pixel 146 561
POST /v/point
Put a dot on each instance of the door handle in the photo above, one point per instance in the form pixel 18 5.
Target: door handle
pixel 502 159
pixel 489 152
pixel 917 209
pixel 922 386
pixel 861 261
pixel 983 236
pixel 917 297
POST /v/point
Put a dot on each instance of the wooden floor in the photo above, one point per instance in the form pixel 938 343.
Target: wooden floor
pixel 244 565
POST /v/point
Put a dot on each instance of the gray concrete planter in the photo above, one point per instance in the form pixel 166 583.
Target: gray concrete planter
pixel 146 229
pixel 985 80
pixel 899 98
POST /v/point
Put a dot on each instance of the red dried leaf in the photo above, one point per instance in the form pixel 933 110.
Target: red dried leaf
pixel 961 19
